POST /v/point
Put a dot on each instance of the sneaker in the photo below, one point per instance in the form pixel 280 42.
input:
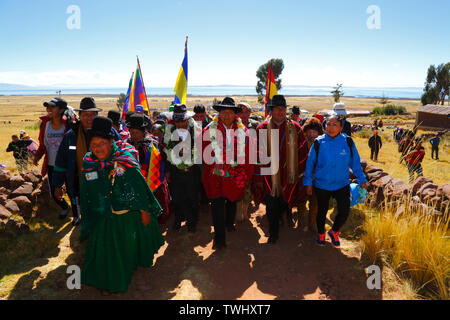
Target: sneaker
pixel 321 239
pixel 63 213
pixel 334 236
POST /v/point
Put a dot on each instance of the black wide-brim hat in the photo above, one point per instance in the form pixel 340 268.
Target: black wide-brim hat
pixel 101 127
pixel 114 116
pixel 137 121
pixel 227 104
pixel 88 104
pixel 278 100
pixel 179 113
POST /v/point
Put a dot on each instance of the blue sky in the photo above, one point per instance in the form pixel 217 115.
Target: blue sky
pixel 321 42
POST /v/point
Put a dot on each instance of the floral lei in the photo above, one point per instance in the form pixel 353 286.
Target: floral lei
pixel 218 150
pixel 169 144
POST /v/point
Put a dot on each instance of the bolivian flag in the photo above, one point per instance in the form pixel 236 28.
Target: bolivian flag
pixel 271 88
pixel 182 80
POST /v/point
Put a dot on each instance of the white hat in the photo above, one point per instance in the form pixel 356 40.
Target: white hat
pixel 339 109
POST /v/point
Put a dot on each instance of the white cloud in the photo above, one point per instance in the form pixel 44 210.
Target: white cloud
pixel 66 78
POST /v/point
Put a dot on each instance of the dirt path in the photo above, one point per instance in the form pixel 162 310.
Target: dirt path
pixel 186 267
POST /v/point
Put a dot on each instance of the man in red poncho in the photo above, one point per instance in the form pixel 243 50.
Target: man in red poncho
pixel 281 187
pixel 227 169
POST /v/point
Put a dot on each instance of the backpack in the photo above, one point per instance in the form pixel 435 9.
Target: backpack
pixel 317 146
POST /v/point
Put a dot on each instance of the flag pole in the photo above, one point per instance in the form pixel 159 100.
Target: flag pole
pixel 142 78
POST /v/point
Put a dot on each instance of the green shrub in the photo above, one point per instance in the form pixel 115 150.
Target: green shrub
pixel 389 110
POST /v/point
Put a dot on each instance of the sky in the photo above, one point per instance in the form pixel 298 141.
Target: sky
pixel 321 42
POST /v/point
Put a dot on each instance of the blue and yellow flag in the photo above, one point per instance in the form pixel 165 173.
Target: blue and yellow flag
pixel 182 80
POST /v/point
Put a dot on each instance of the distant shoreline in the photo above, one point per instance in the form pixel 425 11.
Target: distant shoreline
pixel 200 96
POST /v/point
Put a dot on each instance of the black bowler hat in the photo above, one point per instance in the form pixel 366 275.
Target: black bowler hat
pixel 56 102
pixel 101 127
pixel 114 116
pixel 295 110
pixel 227 104
pixel 199 108
pixel 179 113
pixel 137 121
pixel 88 104
pixel 278 100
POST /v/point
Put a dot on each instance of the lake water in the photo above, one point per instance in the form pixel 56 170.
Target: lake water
pixel 360 92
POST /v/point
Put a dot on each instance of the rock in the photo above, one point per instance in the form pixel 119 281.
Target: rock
pixel 427 194
pixel 5 175
pixel 420 181
pixel 12 206
pixel 17 225
pixel 37 173
pixel 24 204
pixel 382 182
pixel 446 190
pixel 45 187
pixel 36 193
pixel 398 188
pixel 16 181
pixel 371 168
pixel 377 197
pixel 30 177
pixel 373 176
pixel 24 190
pixel 4 213
pixel 415 199
pixel 3 199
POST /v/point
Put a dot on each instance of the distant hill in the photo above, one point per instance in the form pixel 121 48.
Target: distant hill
pixel 10 86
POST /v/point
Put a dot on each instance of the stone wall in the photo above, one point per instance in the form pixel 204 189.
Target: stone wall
pixel 422 194
pixel 23 196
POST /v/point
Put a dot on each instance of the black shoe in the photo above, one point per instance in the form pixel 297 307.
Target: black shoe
pixel 63 213
pixel 218 246
pixel 272 240
pixel 176 226
pixel 231 228
pixel 76 221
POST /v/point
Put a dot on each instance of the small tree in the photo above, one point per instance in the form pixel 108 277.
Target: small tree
pixel 383 100
pixel 121 101
pixel 337 92
pixel 261 74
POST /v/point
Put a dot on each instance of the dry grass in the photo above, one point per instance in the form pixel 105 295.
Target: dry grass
pixel 415 245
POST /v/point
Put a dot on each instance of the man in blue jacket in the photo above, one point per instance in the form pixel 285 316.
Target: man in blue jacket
pixel 71 152
pixel 328 169
pixel 435 146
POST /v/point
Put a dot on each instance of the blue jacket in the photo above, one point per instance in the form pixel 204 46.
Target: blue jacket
pixel 435 141
pixel 66 170
pixel 332 171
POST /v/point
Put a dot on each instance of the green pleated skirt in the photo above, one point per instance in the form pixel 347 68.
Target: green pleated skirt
pixel 116 247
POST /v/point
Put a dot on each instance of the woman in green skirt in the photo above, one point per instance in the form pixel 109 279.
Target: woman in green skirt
pixel 119 212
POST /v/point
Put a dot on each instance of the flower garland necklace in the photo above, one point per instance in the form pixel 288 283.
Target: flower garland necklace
pixel 170 144
pixel 213 127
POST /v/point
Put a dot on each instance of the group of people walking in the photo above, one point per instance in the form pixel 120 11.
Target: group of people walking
pixel 119 194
